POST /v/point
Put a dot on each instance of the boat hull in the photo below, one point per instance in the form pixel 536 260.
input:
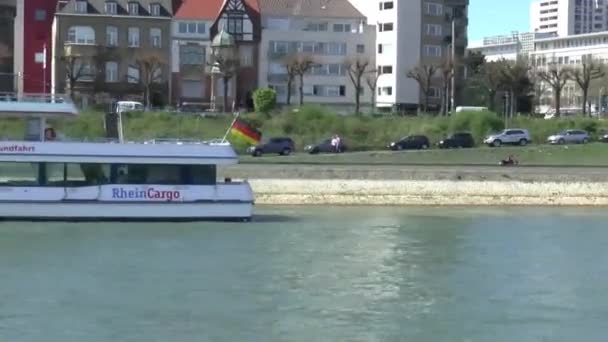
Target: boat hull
pixel 99 211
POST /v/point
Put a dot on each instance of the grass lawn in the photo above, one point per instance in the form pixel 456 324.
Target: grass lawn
pixel 595 154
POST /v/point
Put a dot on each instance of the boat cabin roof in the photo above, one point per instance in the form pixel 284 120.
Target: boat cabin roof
pixel 36 105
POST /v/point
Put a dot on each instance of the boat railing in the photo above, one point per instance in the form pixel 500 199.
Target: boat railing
pixel 143 142
pixel 34 97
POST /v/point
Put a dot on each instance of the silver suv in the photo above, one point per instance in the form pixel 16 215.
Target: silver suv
pixel 511 136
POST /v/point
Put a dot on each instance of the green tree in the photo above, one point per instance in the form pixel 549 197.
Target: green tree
pixel 264 100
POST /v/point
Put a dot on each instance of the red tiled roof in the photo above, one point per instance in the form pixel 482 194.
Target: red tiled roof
pixel 207 9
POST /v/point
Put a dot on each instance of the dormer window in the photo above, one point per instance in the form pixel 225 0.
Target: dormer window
pixel 133 8
pixel 80 7
pixel 111 7
pixel 155 10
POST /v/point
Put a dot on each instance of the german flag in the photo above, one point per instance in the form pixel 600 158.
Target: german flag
pixel 246 132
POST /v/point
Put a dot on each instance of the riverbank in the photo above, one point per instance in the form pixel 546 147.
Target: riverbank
pixel 423 185
pixel 427 193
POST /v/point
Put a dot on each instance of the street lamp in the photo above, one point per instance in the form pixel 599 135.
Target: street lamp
pixel 457 13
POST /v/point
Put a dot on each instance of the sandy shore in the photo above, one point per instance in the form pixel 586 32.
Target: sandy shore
pixel 428 193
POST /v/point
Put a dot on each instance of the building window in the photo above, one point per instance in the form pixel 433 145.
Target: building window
pixel 133 37
pixel 387 91
pixel 112 36
pixel 432 50
pixel 155 37
pixel 316 27
pixel 380 48
pixel 385 69
pixel 360 48
pixel 191 28
pixel 133 74
pixel 433 30
pixel 246 55
pixel 385 27
pixel 191 54
pixel 133 8
pixel 155 10
pixel 86 71
pixel 80 7
pixel 434 92
pixel 81 35
pixel 386 5
pixel 336 49
pixel 279 47
pixel 434 9
pixel 201 28
pixel 111 7
pixel 235 25
pixel 341 27
pixel 40 15
pixel 111 72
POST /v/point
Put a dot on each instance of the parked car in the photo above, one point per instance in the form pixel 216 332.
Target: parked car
pixel 415 142
pixel 325 146
pixel 457 140
pixel 571 136
pixel 281 145
pixel 604 137
pixel 511 136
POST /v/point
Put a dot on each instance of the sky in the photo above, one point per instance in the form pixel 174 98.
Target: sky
pixel 496 17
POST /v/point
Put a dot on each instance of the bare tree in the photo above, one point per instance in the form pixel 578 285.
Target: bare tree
pixel 490 79
pixel 300 64
pixel 447 71
pixel 372 83
pixel 291 68
pixel 77 68
pixel 557 77
pixel 423 75
pixel 150 72
pixel 356 69
pixel 227 65
pixel 588 71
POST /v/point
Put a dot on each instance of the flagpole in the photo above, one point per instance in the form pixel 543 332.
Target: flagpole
pixel 229 128
pixel 44 69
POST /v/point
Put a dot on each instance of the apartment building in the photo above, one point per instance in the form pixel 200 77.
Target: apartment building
pixel 507 47
pixel 7 60
pixel 191 48
pixel 101 45
pixel 572 51
pixel 410 33
pixel 568 17
pixel 331 33
pixel 26 32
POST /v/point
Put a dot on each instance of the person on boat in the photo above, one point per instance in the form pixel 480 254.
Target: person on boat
pixel 49 134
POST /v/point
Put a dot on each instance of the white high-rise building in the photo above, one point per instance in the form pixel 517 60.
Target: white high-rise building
pixel 568 17
pixel 411 33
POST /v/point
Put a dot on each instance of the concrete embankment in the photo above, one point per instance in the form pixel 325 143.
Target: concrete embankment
pixel 433 193
pixel 434 186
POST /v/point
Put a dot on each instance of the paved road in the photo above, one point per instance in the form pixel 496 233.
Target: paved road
pixel 417 172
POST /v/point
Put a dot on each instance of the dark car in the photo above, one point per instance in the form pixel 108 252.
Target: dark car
pixel 412 142
pixel 282 145
pixel 325 146
pixel 458 140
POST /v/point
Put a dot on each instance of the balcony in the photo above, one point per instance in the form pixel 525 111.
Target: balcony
pixel 72 49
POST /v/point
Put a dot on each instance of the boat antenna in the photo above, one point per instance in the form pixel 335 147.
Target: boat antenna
pixel 236 116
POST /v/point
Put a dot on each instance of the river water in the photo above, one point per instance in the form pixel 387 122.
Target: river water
pixel 312 274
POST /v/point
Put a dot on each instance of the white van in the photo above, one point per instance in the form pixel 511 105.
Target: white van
pixel 129 106
pixel 470 109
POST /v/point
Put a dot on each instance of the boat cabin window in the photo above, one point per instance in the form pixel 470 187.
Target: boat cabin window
pixel 92 174
pixel 19 174
pixel 59 174
pixel 165 174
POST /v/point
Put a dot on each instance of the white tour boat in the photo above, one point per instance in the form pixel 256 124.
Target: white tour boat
pixel 44 179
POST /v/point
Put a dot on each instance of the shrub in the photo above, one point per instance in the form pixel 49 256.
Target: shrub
pixel 477 123
pixel 264 100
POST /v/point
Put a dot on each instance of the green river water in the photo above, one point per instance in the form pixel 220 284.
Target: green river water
pixel 312 274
